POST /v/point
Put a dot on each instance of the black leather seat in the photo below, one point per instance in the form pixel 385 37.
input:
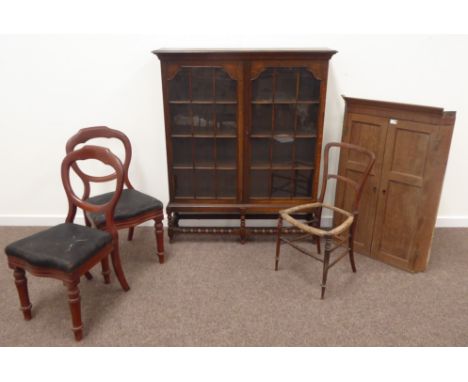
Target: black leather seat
pixel 64 247
pixel 131 203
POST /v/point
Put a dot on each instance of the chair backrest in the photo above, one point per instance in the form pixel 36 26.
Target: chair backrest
pixel 105 156
pixel 358 186
pixel 87 133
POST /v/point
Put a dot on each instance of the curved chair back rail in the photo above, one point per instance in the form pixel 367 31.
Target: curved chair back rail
pixel 104 155
pixel 88 133
pixel 358 187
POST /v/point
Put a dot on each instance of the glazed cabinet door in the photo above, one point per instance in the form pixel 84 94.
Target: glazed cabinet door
pixel 203 110
pixel 406 172
pixel 369 132
pixel 284 114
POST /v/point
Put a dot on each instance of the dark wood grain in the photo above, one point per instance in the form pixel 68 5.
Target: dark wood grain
pixel 243 66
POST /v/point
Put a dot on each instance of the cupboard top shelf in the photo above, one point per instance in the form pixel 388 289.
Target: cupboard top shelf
pixel 213 53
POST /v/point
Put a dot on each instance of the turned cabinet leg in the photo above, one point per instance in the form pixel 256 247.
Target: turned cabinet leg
pixel 118 269
pixel 130 233
pixel 326 261
pixel 242 231
pixel 105 270
pixel 278 241
pixel 159 232
pixel 74 301
pixel 170 226
pixel 21 283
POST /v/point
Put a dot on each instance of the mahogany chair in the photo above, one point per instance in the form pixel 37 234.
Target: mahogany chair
pixel 312 228
pixel 67 251
pixel 133 207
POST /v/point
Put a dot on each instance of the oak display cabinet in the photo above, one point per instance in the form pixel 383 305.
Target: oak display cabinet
pixel 243 133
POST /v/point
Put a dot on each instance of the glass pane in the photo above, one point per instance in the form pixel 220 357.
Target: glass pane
pixel 286 84
pixel 262 86
pixel 284 118
pixel 204 152
pixel 305 152
pixel 182 151
pixel 260 152
pixel 205 183
pixel 282 150
pixel 226 119
pixel 180 119
pixel 309 87
pixel 226 183
pixel 304 180
pixel 183 182
pixel 225 87
pixel 202 119
pixel 259 183
pixel 261 119
pixel 307 118
pixel 202 84
pixel 281 184
pixel 226 152
pixel 179 86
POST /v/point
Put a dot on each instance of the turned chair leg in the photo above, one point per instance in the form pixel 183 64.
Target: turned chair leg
pixel 22 286
pixel 278 241
pixel 159 232
pixel 326 261
pixel 351 250
pixel 118 269
pixel 130 233
pixel 105 270
pixel 88 276
pixel 75 308
pixel 317 242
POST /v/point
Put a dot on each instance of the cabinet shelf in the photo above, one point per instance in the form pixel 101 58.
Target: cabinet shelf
pixel 266 166
pixel 297 135
pixel 224 136
pixel 285 102
pixel 219 167
pixel 205 102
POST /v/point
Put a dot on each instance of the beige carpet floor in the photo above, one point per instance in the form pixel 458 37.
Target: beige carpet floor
pixel 213 291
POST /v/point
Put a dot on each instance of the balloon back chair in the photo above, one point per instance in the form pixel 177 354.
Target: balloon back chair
pixel 312 228
pixel 68 251
pixel 133 207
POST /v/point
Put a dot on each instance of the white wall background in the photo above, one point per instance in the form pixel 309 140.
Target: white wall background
pixel 53 85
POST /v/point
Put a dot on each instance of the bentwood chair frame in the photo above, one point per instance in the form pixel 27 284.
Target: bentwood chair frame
pixel 72 279
pixel 312 228
pixel 157 215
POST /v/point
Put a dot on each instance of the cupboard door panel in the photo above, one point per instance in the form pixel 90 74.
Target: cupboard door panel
pixel 399 207
pixel 370 133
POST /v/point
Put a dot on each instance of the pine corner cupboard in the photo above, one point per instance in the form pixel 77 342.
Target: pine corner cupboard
pixel 243 134
pixel 399 204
